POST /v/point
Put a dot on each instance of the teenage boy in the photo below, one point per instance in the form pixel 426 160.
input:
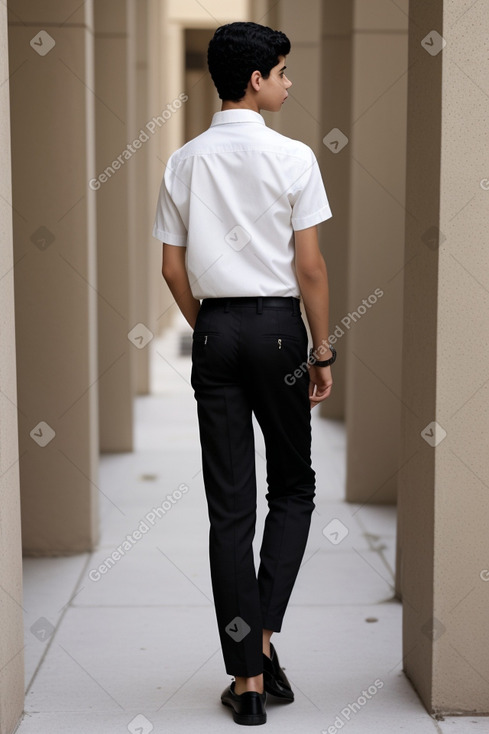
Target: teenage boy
pixel 237 214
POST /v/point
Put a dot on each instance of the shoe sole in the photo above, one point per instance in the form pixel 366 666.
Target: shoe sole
pixel 246 719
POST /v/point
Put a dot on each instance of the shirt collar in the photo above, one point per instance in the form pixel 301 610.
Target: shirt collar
pixel 236 115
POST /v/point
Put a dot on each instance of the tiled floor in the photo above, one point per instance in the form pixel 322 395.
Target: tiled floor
pixel 136 648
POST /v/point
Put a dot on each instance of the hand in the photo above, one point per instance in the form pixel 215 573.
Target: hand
pixel 320 384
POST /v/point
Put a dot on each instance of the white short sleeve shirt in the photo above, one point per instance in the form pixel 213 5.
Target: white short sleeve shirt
pixel 233 196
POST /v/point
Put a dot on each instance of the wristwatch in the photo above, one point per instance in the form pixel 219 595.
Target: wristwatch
pixel 321 363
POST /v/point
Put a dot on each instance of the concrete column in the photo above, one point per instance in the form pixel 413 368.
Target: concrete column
pixel 258 11
pixel 141 243
pixel 115 151
pixel 11 629
pixel 51 51
pixel 335 113
pixel 165 61
pixel 443 498
pixel 203 99
pixel 300 115
pixel 373 322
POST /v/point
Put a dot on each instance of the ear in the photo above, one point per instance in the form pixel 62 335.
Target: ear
pixel 255 80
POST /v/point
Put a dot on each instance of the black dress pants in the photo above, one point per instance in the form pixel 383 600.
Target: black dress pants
pixel 243 349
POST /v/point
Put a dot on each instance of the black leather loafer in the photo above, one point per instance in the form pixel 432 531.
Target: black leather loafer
pixel 274 679
pixel 248 707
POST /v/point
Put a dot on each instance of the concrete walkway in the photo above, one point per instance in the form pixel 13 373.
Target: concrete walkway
pixel 132 645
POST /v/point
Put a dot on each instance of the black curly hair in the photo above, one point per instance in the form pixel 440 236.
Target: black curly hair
pixel 237 50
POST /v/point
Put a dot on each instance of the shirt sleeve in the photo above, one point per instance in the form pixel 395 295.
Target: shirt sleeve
pixel 168 225
pixel 308 198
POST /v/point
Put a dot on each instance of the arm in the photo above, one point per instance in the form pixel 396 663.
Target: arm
pixel 175 274
pixel 313 283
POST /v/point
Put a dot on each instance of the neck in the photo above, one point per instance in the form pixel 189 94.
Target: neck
pixel 241 105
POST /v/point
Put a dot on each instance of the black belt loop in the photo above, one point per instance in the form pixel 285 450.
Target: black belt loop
pixel 226 306
pixel 259 305
pixel 295 306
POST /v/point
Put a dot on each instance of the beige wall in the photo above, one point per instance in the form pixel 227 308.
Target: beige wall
pixel 166 84
pixel 11 629
pixel 335 99
pixel 377 151
pixel 52 122
pixel 159 312
pixel 212 13
pixel 141 244
pixel 300 115
pixel 115 316
pixel 203 99
pixel 443 499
